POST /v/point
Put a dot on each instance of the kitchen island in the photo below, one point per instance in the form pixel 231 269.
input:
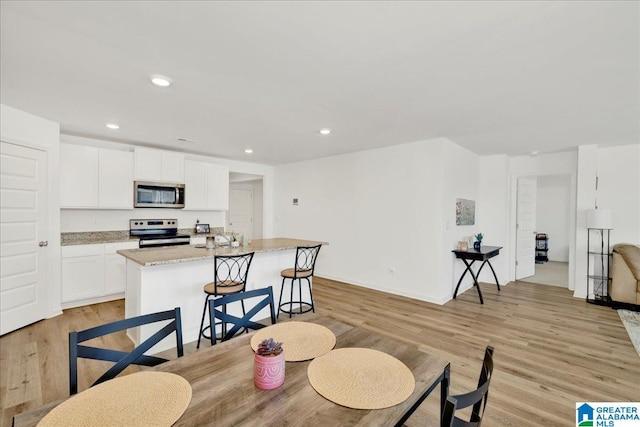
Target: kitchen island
pixel 173 276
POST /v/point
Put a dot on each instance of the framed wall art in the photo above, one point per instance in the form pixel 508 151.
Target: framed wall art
pixel 465 212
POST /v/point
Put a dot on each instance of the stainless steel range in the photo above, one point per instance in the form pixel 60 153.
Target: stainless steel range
pixel 157 232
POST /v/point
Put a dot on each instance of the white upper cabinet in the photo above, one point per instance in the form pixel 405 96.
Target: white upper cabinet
pixel 159 165
pixel 78 176
pixel 195 183
pixel 206 186
pixel 93 177
pixel 115 179
pixel 218 188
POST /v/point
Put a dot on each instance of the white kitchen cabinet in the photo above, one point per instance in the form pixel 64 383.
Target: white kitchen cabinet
pixel 159 165
pixel 195 183
pixel 82 272
pixel 93 178
pixel 115 267
pixel 93 273
pixel 218 190
pixel 198 240
pixel 115 179
pixel 78 176
pixel 206 186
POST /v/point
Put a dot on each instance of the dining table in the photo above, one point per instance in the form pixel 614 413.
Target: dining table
pixel 223 390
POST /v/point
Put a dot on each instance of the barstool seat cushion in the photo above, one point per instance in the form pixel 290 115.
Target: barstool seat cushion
pixel 290 273
pixel 224 288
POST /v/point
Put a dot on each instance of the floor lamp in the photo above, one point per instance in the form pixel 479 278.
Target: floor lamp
pixel 600 220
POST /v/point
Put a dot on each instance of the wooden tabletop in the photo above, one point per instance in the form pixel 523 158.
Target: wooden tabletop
pixel 224 394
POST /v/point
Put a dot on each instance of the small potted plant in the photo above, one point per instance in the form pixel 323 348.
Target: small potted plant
pixel 268 366
pixel 478 242
pixel 234 240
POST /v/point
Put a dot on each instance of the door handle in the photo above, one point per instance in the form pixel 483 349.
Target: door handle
pixel 43 243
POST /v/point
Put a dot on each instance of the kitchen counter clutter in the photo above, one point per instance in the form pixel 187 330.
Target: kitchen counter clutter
pixel 147 257
pixel 166 277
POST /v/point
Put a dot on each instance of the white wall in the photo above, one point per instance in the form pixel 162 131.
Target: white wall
pixel 618 169
pixel 460 181
pixel 101 220
pixel 493 216
pixel 31 131
pixel 380 211
pixel 553 214
pixel 618 189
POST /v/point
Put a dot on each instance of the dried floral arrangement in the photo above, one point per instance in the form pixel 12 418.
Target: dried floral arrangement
pixel 269 348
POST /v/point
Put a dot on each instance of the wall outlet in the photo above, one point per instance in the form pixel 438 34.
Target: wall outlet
pixel 295 201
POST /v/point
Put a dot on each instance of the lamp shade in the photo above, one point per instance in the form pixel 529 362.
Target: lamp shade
pixel 600 218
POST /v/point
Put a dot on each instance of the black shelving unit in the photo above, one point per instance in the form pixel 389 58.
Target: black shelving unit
pixel 598 263
pixel 542 248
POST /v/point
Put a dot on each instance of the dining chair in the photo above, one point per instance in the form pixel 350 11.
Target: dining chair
pixel 477 398
pixel 122 358
pixel 248 320
pixel 229 277
pixel 305 264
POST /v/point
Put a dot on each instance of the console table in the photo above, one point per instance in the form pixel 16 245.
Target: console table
pixel 483 254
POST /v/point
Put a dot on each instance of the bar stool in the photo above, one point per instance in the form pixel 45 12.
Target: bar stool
pixel 230 277
pixel 303 269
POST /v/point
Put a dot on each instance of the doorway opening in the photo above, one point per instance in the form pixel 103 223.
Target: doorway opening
pixel 553 210
pixel 245 205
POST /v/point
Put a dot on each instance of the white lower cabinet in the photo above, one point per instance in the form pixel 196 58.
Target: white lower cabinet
pixel 115 267
pixel 198 240
pixel 82 272
pixel 93 273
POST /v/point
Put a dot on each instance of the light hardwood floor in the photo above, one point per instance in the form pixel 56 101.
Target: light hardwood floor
pixel 551 350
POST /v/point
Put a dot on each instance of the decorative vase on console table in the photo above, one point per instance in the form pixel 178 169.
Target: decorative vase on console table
pixel 478 243
pixel 268 366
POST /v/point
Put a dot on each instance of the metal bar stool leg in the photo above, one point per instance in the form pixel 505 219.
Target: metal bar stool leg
pixel 204 313
pixel 280 299
pixel 300 293
pixel 291 301
pixel 313 308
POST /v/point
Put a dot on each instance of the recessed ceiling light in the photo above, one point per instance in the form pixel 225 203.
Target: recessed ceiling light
pixel 113 126
pixel 534 153
pixel 248 151
pixel 325 131
pixel 161 81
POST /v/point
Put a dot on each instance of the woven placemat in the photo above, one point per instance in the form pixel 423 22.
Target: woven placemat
pixel 361 378
pixel 146 398
pixel 300 340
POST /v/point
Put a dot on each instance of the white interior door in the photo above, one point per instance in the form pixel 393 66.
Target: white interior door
pixel 525 228
pixel 23 220
pixel 240 215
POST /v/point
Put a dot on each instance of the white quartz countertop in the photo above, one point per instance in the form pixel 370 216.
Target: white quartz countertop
pixel 148 257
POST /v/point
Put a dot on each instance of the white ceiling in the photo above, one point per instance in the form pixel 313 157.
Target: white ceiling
pixel 495 77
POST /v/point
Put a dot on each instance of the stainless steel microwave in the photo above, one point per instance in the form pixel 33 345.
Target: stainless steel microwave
pixel 158 195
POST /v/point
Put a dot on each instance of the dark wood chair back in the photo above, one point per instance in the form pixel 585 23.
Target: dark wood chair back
pixel 122 359
pixel 246 322
pixel 477 398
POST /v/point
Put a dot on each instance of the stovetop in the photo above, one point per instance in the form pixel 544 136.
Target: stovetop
pixel 157 232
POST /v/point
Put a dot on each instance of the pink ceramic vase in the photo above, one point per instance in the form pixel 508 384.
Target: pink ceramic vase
pixel 268 372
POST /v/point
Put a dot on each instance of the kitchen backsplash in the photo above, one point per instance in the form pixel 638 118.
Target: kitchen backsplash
pixel 75 220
